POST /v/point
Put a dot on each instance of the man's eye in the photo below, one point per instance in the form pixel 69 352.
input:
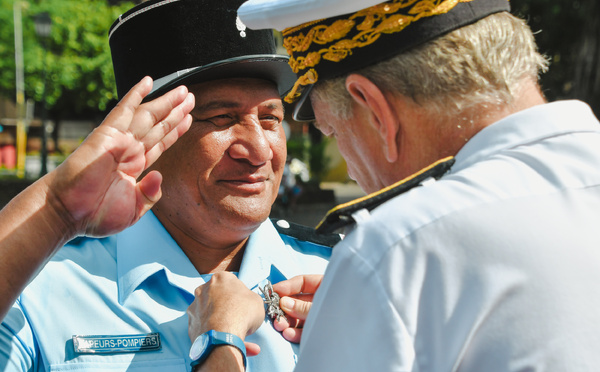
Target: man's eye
pixel 220 120
pixel 270 120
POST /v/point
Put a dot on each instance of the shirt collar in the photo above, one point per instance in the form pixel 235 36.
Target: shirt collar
pixel 147 248
pixel 526 126
pixel 265 254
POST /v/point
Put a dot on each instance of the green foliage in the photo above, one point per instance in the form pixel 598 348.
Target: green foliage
pixel 318 161
pixel 297 147
pixel 78 64
pixel 310 152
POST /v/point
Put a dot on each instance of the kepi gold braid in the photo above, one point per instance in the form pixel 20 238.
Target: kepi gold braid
pixel 369 24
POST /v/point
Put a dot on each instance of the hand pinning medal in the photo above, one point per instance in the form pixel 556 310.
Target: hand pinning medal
pixel 272 302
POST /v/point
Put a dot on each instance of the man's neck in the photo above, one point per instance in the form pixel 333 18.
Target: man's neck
pixel 461 129
pixel 528 96
pixel 210 250
pixel 210 260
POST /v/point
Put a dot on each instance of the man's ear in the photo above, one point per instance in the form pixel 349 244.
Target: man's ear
pixel 379 109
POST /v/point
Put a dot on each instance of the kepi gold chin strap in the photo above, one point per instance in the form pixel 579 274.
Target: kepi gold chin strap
pixel 310 77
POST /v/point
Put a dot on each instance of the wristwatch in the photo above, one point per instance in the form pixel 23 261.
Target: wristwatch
pixel 206 342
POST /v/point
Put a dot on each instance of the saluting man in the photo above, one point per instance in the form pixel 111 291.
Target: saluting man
pixel 119 303
pixel 478 247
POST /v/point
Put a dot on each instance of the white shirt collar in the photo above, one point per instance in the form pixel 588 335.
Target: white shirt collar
pixel 526 126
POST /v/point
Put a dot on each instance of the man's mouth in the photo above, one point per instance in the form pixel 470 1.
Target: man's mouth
pixel 250 184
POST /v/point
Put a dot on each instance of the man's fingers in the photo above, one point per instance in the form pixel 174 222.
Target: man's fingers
pixel 149 114
pixel 252 349
pixel 162 128
pixel 138 92
pixel 169 139
pixel 128 105
pixel 295 307
pixel 293 335
pixel 298 284
pixel 148 192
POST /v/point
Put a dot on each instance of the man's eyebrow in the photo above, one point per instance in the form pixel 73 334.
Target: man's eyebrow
pixel 275 106
pixel 215 105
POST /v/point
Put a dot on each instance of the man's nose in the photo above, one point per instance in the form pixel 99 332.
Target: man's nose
pixel 251 144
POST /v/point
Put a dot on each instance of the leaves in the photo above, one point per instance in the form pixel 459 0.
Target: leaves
pixel 78 64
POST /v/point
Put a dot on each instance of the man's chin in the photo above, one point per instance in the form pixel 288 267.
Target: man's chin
pixel 248 210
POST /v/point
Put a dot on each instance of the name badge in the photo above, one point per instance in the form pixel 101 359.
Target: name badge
pixel 101 344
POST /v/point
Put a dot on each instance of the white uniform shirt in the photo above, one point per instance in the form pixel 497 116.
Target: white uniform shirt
pixel 495 267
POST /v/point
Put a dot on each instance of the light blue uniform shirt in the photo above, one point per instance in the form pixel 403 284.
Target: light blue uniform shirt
pixel 139 282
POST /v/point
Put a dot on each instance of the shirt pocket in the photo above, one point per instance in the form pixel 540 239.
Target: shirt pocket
pixel 175 365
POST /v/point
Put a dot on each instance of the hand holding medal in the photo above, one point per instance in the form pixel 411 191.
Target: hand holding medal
pixel 295 299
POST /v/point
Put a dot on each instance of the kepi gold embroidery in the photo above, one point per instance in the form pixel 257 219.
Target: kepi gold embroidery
pixel 370 24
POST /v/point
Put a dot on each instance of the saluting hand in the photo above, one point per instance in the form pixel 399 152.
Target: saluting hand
pixel 96 188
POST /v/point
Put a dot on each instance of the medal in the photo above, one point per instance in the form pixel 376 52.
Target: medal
pixel 271 299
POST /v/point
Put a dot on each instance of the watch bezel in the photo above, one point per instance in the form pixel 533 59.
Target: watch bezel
pixel 199 346
pixel 203 345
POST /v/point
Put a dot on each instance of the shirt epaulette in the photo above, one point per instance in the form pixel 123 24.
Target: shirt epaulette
pixel 341 215
pixel 305 233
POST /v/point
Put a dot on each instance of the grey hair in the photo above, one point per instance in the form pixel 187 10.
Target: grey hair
pixel 476 66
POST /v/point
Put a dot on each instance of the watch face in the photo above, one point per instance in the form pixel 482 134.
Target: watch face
pixel 198 346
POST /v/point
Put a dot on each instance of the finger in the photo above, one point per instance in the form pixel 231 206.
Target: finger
pixel 120 117
pixel 167 141
pixel 303 297
pixel 154 112
pixel 296 308
pixel 166 125
pixel 252 349
pixel 287 322
pixel 281 324
pixel 298 284
pixel 293 335
pixel 149 192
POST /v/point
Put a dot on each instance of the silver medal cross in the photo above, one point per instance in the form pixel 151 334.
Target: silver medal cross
pixel 272 302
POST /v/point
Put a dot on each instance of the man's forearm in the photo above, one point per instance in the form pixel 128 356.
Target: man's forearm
pixel 30 232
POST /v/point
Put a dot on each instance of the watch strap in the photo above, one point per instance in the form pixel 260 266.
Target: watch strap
pixel 219 339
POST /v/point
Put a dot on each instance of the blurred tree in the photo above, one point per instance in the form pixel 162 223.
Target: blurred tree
pixel 568 32
pixel 80 76
pixel 79 66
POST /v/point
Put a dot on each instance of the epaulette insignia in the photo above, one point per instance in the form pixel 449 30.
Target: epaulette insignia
pixel 305 233
pixel 341 215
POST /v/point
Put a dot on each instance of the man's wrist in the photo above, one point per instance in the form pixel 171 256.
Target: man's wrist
pixel 207 342
pixel 225 357
pixel 68 225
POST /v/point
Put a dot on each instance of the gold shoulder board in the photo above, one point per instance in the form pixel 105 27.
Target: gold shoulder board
pixel 341 215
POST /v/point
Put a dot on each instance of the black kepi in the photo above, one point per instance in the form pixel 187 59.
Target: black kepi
pixel 191 41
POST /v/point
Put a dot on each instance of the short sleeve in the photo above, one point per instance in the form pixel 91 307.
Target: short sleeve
pixel 17 343
pixel 351 313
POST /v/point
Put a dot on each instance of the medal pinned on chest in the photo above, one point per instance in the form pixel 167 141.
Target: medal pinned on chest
pixel 271 299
